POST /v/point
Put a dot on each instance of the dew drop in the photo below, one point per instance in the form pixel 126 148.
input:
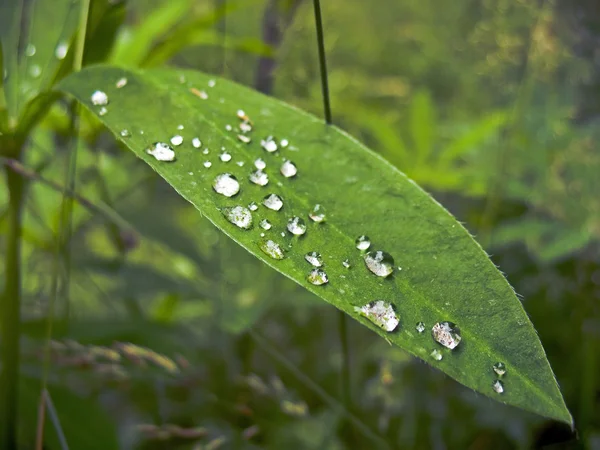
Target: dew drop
pixel 446 334
pixel 363 242
pixel 228 127
pixel 205 151
pixel 102 111
pixel 225 157
pixel 197 143
pixel 30 50
pixel 317 214
pixel 260 164
pixel 273 201
pixel 499 368
pixel 240 163
pixel 125 133
pixel 207 164
pixel 317 277
pixel 121 82
pixel 180 127
pixel 259 177
pixel 99 98
pixel 272 249
pixel 161 151
pixel 314 259
pixel 420 327
pixel 380 263
pixel 253 206
pixel 381 313
pixel 226 184
pixel 211 83
pixel 239 216
pixel 288 169
pixel 269 144
pixel 241 114
pixel 436 354
pixel 284 143
pixel 265 224
pixel 498 387
pixel 177 140
pixel 245 127
pixel 61 50
pixel 296 226
pixel 244 139
pixel 35 71
pixel 346 264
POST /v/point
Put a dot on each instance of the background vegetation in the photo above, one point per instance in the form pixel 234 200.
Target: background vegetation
pixel 167 335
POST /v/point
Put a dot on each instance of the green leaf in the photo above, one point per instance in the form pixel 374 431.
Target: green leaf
pixel 445 275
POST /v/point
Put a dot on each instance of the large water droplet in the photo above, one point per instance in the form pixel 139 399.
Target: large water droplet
pixel 420 327
pixel 272 249
pixel 226 184
pixel 380 263
pixel 61 50
pixel 288 169
pixel 269 144
pixel 273 201
pixel 265 224
pixel 259 177
pixel 121 82
pixel 499 368
pixel 239 216
pixel 99 98
pixel 260 164
pixel 225 157
pixel 363 242
pixel 197 143
pixel 381 313
pixel 436 354
pixel 447 334
pixel 498 387
pixel 177 140
pixel 317 277
pixel 161 151
pixel 314 258
pixel 317 214
pixel 296 226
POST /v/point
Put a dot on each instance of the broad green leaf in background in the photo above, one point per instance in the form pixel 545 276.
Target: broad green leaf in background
pixel 440 273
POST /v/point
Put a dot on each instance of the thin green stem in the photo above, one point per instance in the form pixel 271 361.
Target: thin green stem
pixel 345 385
pixel 322 61
pixel 11 318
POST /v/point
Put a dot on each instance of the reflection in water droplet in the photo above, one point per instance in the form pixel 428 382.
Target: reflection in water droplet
pixel 260 164
pixel 288 169
pixel 244 139
pixel 447 334
pixel 99 98
pixel 381 313
pixel 436 354
pixel 226 184
pixel 121 82
pixel 225 157
pixel 61 50
pixel 420 327
pixel 346 264
pixel 30 50
pixel 125 133
pixel 314 258
pixel 317 214
pixel 239 216
pixel 269 144
pixel 317 277
pixel 177 140
pixel 102 111
pixel 272 249
pixel 252 206
pixel 363 242
pixel 499 368
pixel 259 177
pixel 207 164
pixel 380 263
pixel 498 387
pixel 161 151
pixel 273 201
pixel 265 224
pixel 296 226
pixel 197 143
pixel 284 143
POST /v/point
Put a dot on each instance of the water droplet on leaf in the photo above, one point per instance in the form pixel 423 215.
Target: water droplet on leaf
pixel 420 327
pixel 245 127
pixel 284 143
pixel 447 334
pixel 125 133
pixel 161 151
pixel 380 263
pixel 177 140
pixel 288 169
pixel 317 214
pixel 499 368
pixel 273 201
pixel 317 277
pixel 259 177
pixel 102 111
pixel 61 50
pixel 99 98
pixel 265 224
pixel 272 249
pixel 498 387
pixel 363 242
pixel 244 139
pixel 207 164
pixel 252 206
pixel 239 216
pixel 346 264
pixel 314 259
pixel 225 157
pixel 30 50
pixel 296 226
pixel 197 143
pixel 381 313
pixel 436 354
pixel 269 144
pixel 226 184
pixel 260 164
pixel 121 82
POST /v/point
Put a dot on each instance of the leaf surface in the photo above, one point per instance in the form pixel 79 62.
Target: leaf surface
pixel 441 273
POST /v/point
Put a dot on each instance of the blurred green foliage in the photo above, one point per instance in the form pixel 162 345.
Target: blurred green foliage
pixel 484 103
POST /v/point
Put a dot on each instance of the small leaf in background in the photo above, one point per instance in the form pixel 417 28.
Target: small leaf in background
pixel 441 275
